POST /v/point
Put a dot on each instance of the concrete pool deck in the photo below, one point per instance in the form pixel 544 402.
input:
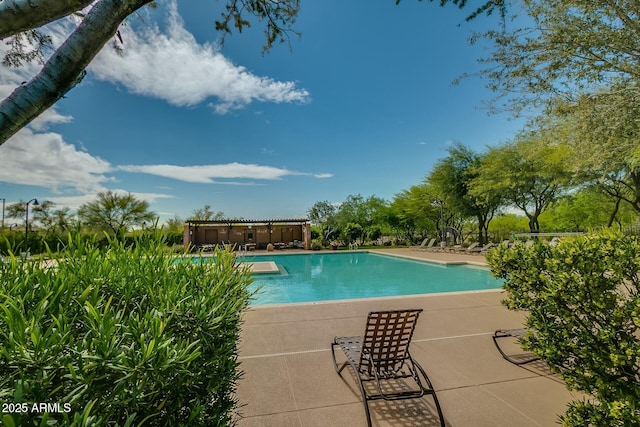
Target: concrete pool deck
pixel 289 377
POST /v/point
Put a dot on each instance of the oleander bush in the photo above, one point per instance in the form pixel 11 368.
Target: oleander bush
pixel 119 336
pixel 583 303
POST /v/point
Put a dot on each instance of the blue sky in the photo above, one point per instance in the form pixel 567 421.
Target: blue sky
pixel 362 103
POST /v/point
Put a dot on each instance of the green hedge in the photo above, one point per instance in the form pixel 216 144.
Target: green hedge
pixel 583 303
pixel 121 335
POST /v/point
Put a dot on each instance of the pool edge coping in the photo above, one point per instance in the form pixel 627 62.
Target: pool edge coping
pixel 392 297
pixel 428 260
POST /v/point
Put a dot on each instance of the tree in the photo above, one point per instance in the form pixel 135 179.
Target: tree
pixel 567 49
pixel 323 214
pixel 352 232
pixel 65 68
pixel 453 176
pixel 175 224
pixel 16 210
pixel 413 214
pixel 504 225
pixel 363 212
pixel 51 219
pixel 531 172
pixel 206 214
pixel 604 134
pixel 588 208
pixel 115 213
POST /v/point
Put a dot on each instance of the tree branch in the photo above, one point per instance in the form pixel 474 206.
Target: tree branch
pixel 17 16
pixel 66 67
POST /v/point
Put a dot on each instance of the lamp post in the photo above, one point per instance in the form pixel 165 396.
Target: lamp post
pixel 3 201
pixel 26 224
pixel 440 203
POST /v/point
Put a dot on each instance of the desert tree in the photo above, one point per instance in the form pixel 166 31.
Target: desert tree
pixel 115 213
pixel 323 214
pixel 567 49
pixel 453 175
pixel 205 213
pixel 531 172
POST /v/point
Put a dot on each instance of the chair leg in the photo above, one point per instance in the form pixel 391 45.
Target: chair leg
pixel 366 407
pixel 365 401
pixel 431 391
pixel 335 363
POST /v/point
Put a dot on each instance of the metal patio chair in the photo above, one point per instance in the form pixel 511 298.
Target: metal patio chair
pixel 381 361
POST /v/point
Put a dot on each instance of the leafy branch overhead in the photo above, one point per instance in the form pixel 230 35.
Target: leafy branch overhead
pixel 279 18
pixel 487 8
pixel 21 20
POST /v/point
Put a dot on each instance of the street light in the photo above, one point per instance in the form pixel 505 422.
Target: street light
pixel 26 224
pixel 440 203
pixel 3 201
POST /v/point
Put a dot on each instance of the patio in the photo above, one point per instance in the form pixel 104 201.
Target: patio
pixel 290 380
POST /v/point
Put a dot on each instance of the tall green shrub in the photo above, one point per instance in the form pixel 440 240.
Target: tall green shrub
pixel 123 335
pixel 583 304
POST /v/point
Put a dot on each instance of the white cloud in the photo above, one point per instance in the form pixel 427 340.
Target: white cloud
pixel 50 116
pixel 174 67
pixel 210 174
pixel 46 160
pixel 323 175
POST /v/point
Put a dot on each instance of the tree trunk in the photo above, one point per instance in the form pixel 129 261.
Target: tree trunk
pixel 66 66
pixel 481 227
pixel 17 16
pixel 613 215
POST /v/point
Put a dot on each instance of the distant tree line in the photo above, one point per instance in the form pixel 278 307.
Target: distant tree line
pixel 561 173
pixel 111 215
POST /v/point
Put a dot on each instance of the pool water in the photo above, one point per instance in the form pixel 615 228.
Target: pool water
pixel 325 277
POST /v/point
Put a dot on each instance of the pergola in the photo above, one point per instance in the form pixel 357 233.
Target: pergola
pixel 252 234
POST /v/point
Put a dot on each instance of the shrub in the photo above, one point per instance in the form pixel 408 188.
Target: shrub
pixel 584 312
pixel 316 244
pixel 122 335
pixel 352 232
pixel 174 238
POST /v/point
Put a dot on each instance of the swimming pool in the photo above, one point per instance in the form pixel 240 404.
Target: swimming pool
pixel 326 277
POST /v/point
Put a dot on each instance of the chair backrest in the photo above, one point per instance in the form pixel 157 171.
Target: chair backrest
pixel 472 246
pixel 386 339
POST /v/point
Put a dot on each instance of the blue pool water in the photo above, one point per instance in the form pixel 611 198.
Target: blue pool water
pixel 323 277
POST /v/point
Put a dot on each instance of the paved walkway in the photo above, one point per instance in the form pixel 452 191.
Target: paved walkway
pixel 290 380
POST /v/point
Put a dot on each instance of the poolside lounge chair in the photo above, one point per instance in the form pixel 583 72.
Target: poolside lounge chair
pixel 472 247
pixel 513 334
pixel 486 247
pixel 424 244
pixel 480 250
pixel 428 246
pixel 381 360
